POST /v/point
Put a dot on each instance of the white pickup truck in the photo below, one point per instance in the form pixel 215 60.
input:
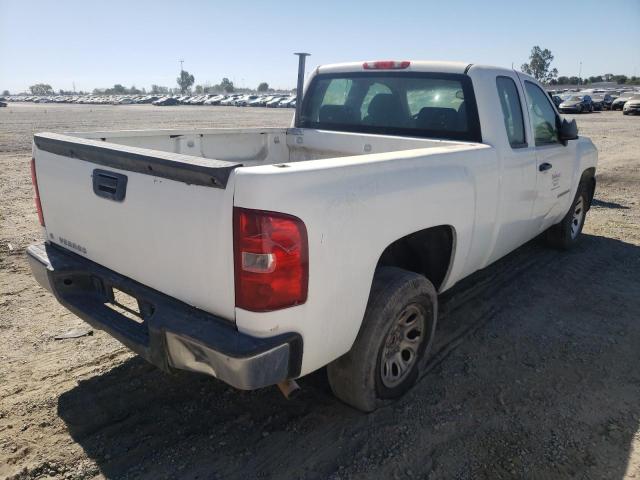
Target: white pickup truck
pixel 260 255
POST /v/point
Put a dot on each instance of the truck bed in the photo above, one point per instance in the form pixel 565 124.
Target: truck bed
pixel 172 231
pixel 262 146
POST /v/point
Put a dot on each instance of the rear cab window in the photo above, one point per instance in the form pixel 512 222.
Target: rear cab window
pixel 393 103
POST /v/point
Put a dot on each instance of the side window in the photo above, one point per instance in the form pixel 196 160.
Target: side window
pixel 542 115
pixel 337 91
pixel 511 111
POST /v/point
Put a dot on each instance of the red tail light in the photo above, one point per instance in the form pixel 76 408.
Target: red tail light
pixel 36 198
pixel 386 65
pixel 271 260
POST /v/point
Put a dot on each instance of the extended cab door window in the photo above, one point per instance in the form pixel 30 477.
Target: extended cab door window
pixel 542 114
pixel 511 111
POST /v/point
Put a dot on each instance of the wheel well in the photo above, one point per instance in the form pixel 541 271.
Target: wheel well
pixel 427 252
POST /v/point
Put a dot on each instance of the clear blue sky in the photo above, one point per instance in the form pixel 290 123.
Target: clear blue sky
pixel 99 43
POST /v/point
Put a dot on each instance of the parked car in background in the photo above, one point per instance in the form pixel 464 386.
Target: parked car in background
pixel 230 100
pixel 215 100
pixel 2 104
pixel 632 106
pixel 244 101
pixel 577 104
pixel 274 101
pixel 557 100
pixel 286 102
pixel 619 102
pixel 598 102
pixel 166 101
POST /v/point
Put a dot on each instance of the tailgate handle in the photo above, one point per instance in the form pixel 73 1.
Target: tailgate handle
pixel 109 185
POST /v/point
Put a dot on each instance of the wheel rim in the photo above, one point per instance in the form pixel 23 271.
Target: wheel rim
pixel 576 220
pixel 401 346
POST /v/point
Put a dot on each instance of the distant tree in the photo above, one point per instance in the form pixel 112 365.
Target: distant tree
pixel 41 89
pixel 157 89
pixel 117 89
pixel 263 87
pixel 294 91
pixel 185 80
pixel 134 91
pixel 199 90
pixel 608 77
pixel 5 93
pixel 227 85
pixel 539 65
pixel 563 80
pixel 574 80
pixel 620 79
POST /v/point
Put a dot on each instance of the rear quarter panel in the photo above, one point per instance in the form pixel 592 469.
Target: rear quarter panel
pixel 353 208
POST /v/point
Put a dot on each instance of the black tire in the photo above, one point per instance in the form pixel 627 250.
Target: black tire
pixel 567 233
pixel 357 377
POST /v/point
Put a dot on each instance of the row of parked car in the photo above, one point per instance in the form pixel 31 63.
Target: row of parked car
pixel 238 100
pixel 587 101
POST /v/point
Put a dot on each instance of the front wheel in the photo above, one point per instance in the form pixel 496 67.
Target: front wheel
pixel 393 342
pixel 565 234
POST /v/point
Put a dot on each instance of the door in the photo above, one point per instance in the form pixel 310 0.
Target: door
pixel 554 160
pixel 518 167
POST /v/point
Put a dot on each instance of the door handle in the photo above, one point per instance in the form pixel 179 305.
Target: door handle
pixel 544 166
pixel 109 185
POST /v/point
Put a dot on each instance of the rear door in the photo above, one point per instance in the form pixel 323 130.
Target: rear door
pixel 519 170
pixel 554 160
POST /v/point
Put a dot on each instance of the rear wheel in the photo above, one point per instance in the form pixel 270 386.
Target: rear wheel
pixel 392 344
pixel 566 233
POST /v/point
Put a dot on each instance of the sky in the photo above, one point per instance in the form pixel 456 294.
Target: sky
pixel 96 43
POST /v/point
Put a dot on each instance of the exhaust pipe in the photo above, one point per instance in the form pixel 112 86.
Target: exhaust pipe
pixel 289 388
pixel 301 60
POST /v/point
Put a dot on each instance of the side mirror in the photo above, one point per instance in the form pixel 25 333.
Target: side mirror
pixel 568 130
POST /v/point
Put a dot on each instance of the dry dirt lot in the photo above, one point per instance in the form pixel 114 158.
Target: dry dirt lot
pixel 536 372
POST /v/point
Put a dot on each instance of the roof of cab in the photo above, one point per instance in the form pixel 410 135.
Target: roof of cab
pixel 414 66
pixel 417 66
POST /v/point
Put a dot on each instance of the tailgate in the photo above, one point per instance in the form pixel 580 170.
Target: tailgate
pixel 162 219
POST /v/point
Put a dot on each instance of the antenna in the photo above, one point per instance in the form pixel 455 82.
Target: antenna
pixel 181 63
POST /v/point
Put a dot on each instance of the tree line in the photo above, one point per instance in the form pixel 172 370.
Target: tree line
pixel 539 67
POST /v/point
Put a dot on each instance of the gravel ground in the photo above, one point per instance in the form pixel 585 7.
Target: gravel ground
pixel 535 373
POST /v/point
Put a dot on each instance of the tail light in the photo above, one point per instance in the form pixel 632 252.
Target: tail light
pixel 271 260
pixel 386 65
pixel 36 198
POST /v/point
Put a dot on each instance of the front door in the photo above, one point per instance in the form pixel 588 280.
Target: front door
pixel 554 160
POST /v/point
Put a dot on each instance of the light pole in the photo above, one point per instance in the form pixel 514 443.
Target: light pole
pixel 580 74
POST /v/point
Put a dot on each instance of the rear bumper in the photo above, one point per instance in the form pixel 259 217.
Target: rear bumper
pixel 169 333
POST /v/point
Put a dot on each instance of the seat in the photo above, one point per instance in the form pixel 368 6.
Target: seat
pixel 385 110
pixel 437 118
pixel 338 114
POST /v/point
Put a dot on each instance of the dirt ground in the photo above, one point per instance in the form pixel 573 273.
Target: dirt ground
pixel 535 373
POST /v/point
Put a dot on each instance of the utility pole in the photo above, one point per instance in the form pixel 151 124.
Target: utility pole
pixel 580 74
pixel 181 70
